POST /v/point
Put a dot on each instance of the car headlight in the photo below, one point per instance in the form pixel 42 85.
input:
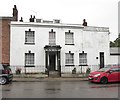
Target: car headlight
pixel 96 75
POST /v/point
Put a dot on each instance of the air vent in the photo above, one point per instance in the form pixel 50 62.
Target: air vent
pixel 38 20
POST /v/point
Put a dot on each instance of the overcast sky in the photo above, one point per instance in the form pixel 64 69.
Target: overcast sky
pixel 102 13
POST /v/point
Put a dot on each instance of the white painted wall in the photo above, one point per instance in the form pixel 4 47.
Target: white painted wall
pixel 94 43
pixel 91 42
pixel 114 59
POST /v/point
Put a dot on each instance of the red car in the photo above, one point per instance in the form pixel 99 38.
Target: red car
pixel 105 75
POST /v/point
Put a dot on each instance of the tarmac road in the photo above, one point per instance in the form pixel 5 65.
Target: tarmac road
pixel 60 89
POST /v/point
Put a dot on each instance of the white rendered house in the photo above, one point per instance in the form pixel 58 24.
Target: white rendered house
pixel 53 46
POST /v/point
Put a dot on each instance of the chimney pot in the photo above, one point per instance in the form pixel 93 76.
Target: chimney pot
pixel 32 18
pixel 84 22
pixel 15 7
pixel 21 20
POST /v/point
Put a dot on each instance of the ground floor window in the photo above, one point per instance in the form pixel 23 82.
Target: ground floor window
pixel 69 58
pixel 82 58
pixel 29 59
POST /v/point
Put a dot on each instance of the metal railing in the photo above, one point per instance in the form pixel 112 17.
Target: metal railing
pixel 64 69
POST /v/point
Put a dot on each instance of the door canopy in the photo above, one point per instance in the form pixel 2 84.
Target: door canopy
pixel 52 48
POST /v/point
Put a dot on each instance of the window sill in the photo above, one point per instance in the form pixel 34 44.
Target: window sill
pixel 29 66
pixel 69 44
pixel 83 65
pixel 69 65
pixel 114 54
pixel 30 43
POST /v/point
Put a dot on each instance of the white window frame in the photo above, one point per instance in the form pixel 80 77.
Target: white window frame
pixel 29 37
pixel 69 58
pixel 69 38
pixel 82 58
pixel 52 37
pixel 29 59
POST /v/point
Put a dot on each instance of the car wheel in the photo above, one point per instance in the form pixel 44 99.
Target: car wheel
pixel 3 80
pixel 104 80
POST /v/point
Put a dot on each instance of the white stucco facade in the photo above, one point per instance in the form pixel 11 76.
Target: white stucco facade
pixel 91 40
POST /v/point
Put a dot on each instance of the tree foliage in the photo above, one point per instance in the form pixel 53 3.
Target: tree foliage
pixel 115 43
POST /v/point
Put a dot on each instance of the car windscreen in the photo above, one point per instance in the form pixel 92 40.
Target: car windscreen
pixel 104 69
pixel 1 67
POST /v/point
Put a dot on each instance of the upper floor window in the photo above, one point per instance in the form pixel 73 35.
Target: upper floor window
pixel 69 38
pixel 82 58
pixel 69 58
pixel 29 37
pixel 52 38
pixel 29 59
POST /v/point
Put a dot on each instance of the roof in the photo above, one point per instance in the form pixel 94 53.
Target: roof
pixel 60 25
pixel 6 17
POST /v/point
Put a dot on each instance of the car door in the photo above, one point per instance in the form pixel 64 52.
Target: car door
pixel 113 75
pixel 119 74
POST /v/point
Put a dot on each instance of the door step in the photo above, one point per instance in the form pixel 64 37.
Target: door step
pixel 54 74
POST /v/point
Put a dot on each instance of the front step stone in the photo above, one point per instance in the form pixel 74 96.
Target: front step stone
pixel 54 74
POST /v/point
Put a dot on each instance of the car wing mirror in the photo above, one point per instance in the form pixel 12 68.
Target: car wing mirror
pixel 110 71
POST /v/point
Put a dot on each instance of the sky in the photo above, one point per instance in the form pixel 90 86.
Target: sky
pixel 101 13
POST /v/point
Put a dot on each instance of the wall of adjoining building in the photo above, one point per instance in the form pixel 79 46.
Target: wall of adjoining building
pixel 5 40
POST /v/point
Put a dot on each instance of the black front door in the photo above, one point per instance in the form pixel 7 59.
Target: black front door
pixel 101 59
pixel 52 62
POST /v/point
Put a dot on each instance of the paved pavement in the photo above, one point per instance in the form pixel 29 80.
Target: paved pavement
pixel 47 79
pixel 43 77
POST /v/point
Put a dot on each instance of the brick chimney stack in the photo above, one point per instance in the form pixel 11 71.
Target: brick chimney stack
pixel 84 22
pixel 15 13
pixel 32 18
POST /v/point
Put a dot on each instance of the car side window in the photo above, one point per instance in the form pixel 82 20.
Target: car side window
pixel 114 70
pixel 118 69
pixel 1 66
